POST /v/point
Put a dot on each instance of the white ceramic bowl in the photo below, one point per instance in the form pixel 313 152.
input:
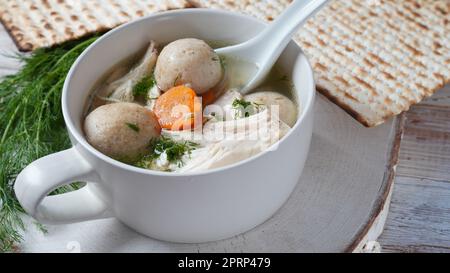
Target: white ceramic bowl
pixel 195 207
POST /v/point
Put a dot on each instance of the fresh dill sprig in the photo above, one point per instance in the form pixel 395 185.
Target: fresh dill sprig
pixel 174 150
pixel 133 127
pixel 31 125
pixel 143 86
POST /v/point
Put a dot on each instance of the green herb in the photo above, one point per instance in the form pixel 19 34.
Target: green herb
pixel 133 127
pixel 241 103
pixel 41 227
pixel 174 151
pixel 223 62
pixel 176 80
pixel 143 86
pixel 31 125
pixel 243 108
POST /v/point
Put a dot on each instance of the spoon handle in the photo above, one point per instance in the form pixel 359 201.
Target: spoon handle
pixel 265 48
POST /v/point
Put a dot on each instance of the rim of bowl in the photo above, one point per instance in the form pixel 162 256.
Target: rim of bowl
pixel 79 137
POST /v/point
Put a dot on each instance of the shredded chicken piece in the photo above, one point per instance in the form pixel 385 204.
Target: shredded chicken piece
pixel 121 90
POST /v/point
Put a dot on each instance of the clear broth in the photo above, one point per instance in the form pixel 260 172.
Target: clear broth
pixel 237 73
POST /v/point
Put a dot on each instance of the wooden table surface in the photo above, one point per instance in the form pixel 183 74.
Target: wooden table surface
pixel 419 215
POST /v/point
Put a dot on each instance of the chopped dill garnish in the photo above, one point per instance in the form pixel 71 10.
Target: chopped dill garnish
pixel 223 62
pixel 244 108
pixel 241 103
pixel 176 80
pixel 133 127
pixel 142 87
pixel 174 151
pixel 31 125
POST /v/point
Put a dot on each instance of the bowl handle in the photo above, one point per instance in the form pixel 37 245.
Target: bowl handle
pixel 44 175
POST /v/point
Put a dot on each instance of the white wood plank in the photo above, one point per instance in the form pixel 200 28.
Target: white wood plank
pixel 419 217
pixel 441 97
pixel 425 148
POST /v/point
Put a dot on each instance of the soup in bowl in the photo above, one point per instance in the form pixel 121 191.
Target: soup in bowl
pixel 178 108
pixel 164 139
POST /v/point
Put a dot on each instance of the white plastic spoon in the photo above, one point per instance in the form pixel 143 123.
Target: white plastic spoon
pixel 265 49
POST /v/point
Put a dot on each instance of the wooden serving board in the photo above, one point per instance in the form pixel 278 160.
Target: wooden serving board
pixel 339 204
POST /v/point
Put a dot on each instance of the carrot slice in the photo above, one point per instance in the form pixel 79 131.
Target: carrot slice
pixel 178 109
